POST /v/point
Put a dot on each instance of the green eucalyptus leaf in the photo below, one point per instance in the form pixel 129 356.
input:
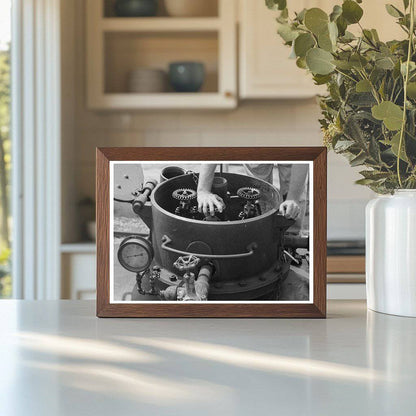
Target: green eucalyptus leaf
pixel 343 65
pixel 411 90
pixel 412 67
pixel 321 79
pixel 368 36
pixel 361 99
pixel 333 32
pixel 363 86
pixel 358 160
pixel 351 11
pixel 358 61
pixel 301 63
pixel 393 11
pixel 300 17
pixel 354 131
pixel 377 74
pixel 286 32
pixel 385 63
pixel 396 71
pixel 342 25
pixel 382 88
pixel 365 182
pixel 316 20
pixel 336 12
pixel 276 4
pixel 319 61
pixel 347 37
pixel 394 146
pixel 343 145
pixel 284 14
pixel 374 175
pixel 374 150
pixel 391 114
pixel 375 35
pixel 303 43
pixel 325 42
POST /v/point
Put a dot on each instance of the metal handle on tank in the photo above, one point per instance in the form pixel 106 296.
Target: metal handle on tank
pixel 166 240
pixel 140 200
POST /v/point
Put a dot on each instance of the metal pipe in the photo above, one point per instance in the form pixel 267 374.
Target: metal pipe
pixel 202 283
pixel 140 200
pixel 294 241
pixel 166 240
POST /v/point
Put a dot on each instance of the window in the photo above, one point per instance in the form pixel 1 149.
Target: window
pixel 5 147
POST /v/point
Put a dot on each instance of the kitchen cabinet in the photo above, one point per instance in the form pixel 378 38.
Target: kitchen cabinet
pixel 116 46
pixel 78 271
pixel 265 70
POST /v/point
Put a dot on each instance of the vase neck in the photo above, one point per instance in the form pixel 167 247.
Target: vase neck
pixel 405 192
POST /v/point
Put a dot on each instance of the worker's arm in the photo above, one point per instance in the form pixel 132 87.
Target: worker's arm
pixel 290 208
pixel 207 201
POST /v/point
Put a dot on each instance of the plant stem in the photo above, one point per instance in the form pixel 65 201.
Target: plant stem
pixel 373 89
pixel 406 80
pixel 345 75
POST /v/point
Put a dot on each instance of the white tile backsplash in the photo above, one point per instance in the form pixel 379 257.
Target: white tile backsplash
pixel 271 123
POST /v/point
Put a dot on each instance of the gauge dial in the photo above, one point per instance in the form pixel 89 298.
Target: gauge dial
pixel 135 254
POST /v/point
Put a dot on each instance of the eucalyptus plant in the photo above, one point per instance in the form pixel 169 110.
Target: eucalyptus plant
pixel 369 112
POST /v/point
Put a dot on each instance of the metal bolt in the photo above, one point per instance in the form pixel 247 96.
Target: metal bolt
pixel 118 186
pixel 126 176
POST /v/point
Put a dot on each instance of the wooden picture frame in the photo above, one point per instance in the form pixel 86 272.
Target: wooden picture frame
pixel 314 308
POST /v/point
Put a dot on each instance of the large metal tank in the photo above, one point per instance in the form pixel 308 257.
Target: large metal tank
pixel 246 253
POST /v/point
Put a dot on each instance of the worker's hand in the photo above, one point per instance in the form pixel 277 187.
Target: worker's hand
pixel 290 209
pixel 207 202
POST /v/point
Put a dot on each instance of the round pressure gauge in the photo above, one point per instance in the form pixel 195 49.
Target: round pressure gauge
pixel 135 254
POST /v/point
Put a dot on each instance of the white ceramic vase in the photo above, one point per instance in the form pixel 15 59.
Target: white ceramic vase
pixel 391 253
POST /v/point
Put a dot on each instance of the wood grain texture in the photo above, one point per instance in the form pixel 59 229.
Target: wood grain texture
pixel 317 309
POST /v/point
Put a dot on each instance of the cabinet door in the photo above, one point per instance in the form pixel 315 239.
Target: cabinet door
pixel 265 68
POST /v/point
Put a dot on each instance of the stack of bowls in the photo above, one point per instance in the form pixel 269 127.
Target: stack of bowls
pixel 147 80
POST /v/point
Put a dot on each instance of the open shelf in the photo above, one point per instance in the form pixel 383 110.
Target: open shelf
pixel 80 247
pixel 130 101
pixel 116 46
pixel 160 24
pixel 127 51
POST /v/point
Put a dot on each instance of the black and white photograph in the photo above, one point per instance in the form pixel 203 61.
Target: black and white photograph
pixel 211 231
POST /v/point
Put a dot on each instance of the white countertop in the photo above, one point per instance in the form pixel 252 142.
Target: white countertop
pixel 56 358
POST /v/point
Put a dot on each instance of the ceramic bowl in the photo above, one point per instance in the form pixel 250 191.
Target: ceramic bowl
pixel 186 76
pixel 135 8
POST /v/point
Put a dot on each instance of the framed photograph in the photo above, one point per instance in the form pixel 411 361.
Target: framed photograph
pixel 211 232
